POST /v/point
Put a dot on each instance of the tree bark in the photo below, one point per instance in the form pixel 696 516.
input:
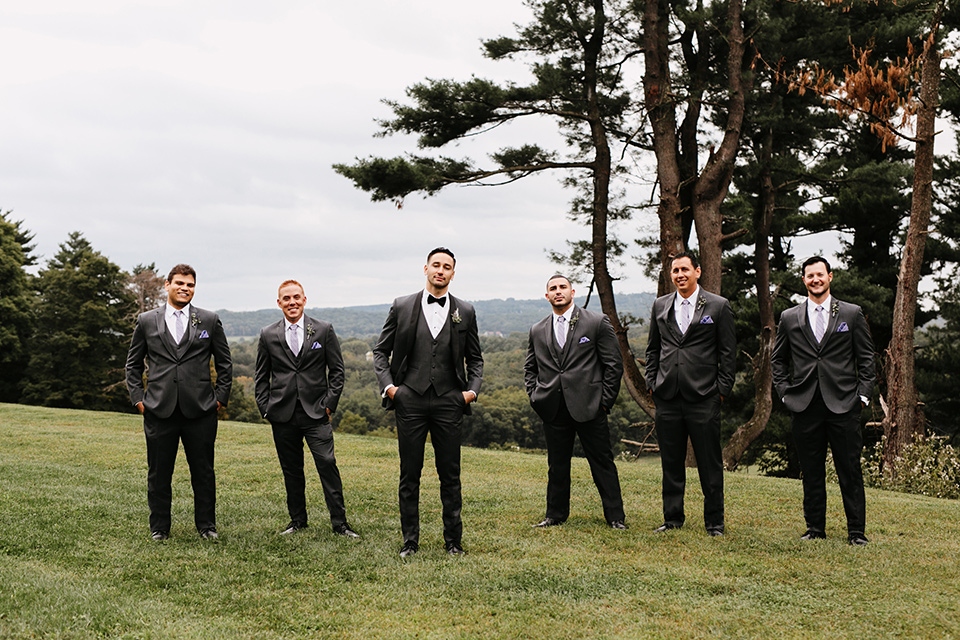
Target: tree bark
pixel 904 420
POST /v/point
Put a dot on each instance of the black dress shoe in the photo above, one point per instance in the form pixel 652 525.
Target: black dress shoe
pixel 159 536
pixel 409 549
pixel 715 533
pixel 813 535
pixel 293 527
pixel 666 526
pixel 454 549
pixel 857 539
pixel 548 522
pixel 345 531
pixel 209 534
pixel 619 525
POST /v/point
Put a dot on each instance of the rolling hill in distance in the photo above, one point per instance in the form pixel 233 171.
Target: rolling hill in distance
pixel 493 316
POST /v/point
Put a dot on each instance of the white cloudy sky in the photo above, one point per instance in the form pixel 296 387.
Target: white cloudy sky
pixel 203 131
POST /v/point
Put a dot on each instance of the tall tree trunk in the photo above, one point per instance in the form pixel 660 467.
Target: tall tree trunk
pixel 904 419
pixel 762 372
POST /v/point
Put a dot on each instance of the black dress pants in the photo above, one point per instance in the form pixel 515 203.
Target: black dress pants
pixel 677 420
pixel 288 437
pixel 163 441
pixel 442 417
pixel 595 440
pixel 813 429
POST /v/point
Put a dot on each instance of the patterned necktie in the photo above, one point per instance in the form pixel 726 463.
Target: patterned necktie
pixel 561 331
pixel 178 315
pixel 294 340
pixel 684 316
pixel 820 327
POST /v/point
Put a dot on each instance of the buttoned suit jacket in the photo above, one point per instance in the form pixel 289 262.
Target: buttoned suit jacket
pixel 315 376
pixel 586 373
pixel 390 355
pixel 179 375
pixel 695 364
pixel 842 364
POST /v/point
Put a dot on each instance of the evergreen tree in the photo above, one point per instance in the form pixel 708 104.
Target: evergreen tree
pixel 81 331
pixel 15 304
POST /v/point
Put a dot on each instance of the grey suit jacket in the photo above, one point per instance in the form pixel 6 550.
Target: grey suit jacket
pixel 400 330
pixel 585 373
pixel 842 364
pixel 315 377
pixel 179 374
pixel 695 364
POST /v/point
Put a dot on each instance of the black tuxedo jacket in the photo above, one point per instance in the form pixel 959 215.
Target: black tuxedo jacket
pixel 586 373
pixel 695 364
pixel 179 374
pixel 842 364
pixel 399 333
pixel 315 377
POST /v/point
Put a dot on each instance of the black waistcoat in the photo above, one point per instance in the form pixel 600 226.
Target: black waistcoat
pixel 430 362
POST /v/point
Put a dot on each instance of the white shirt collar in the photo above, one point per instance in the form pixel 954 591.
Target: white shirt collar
pixel 287 323
pixel 170 309
pixel 678 299
pixel 565 315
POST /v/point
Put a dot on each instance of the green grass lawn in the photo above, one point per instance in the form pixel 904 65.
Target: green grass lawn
pixel 76 560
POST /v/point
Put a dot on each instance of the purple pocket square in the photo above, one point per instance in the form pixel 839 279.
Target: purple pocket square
pixel 316 345
pixel 583 340
pixel 706 320
pixel 204 335
pixel 842 328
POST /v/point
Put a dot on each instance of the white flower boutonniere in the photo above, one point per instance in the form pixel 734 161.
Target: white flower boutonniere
pixel 574 319
pixel 310 331
pixel 834 308
pixel 701 302
pixel 194 320
pixel 455 316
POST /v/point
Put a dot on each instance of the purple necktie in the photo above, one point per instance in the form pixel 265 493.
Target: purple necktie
pixel 561 331
pixel 179 328
pixel 684 316
pixel 294 340
pixel 820 327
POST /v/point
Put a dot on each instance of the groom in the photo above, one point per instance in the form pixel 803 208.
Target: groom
pixel 179 402
pixel 419 359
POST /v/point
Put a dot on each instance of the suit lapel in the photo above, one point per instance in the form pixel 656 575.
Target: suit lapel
pixel 805 327
pixel 670 320
pixel 281 336
pixel 165 336
pixel 551 338
pixel 571 333
pixel 831 321
pixel 190 334
pixel 698 306
pixel 453 303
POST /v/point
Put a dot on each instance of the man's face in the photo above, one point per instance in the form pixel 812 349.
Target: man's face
pixel 684 276
pixel 180 290
pixel 817 279
pixel 560 293
pixel 439 272
pixel 292 302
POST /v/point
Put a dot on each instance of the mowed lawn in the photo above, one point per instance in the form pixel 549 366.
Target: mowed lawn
pixel 76 560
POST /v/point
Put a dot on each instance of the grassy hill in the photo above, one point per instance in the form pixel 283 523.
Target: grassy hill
pixel 76 560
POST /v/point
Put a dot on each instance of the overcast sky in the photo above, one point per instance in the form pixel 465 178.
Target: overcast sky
pixel 203 131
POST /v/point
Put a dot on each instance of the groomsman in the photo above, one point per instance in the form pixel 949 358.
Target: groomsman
pixel 179 401
pixel 298 382
pixel 572 374
pixel 831 350
pixel 691 362
pixel 419 359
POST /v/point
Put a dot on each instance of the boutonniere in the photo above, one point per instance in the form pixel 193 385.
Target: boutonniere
pixel 194 320
pixel 701 302
pixel 455 316
pixel 310 331
pixel 574 319
pixel 834 308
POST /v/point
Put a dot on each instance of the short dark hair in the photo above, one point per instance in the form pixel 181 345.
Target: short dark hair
pixel 686 254
pixel 182 270
pixel 814 260
pixel 558 275
pixel 442 250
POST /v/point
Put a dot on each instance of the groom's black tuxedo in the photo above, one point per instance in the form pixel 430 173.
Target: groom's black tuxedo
pixel 572 389
pixel 431 374
pixel 823 390
pixel 179 403
pixel 294 392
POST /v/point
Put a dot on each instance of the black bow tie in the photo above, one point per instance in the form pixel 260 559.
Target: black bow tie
pixel 439 301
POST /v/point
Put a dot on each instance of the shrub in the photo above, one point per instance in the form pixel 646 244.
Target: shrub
pixel 928 467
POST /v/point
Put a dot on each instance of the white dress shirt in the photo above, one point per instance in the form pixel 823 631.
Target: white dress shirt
pixel 289 334
pixel 678 302
pixel 172 320
pixel 566 320
pixel 812 314
pixel 434 313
